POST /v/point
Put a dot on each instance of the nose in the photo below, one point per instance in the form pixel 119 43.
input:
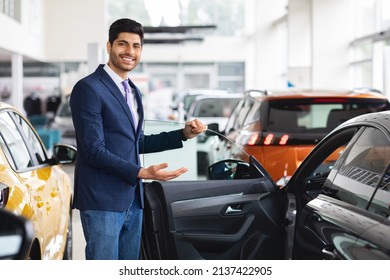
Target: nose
pixel 130 50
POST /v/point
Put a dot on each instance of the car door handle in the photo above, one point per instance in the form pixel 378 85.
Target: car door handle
pixel 329 254
pixel 233 209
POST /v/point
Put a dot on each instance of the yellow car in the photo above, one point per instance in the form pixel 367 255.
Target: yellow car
pixel 33 185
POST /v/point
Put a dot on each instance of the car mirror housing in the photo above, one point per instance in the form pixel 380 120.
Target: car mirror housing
pixel 64 154
pixel 16 235
pixel 212 129
pixel 228 169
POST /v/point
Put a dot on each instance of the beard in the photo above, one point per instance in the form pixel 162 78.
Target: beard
pixel 117 62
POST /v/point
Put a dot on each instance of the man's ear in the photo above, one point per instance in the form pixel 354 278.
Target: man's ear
pixel 108 47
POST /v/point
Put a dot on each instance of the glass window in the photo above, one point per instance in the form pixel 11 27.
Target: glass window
pixel 232 119
pixel 19 156
pixel 253 114
pixel 361 167
pixel 380 203
pixel 10 8
pixel 231 69
pixel 32 138
pixel 214 107
pixel 318 115
pixel 242 114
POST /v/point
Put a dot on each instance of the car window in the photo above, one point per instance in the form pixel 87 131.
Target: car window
pixel 380 203
pixel 360 168
pixel 219 107
pixel 246 106
pixel 18 155
pixel 32 138
pixel 253 114
pixel 232 118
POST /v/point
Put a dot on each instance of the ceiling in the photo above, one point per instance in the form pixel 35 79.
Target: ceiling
pixel 154 35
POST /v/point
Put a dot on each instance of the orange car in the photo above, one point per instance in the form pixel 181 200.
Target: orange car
pixel 281 128
pixel 34 186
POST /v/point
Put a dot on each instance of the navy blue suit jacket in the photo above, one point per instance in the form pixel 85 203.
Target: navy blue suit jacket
pixel 108 145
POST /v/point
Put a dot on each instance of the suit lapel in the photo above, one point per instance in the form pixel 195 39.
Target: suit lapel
pixel 113 88
pixel 139 104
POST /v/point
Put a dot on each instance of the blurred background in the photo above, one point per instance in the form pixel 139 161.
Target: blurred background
pixel 192 47
pixel 47 45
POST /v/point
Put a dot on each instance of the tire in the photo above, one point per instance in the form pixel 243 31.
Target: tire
pixel 68 251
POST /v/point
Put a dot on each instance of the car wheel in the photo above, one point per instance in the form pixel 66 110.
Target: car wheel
pixel 68 251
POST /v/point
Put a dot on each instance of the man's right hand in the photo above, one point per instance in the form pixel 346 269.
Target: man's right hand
pixel 157 172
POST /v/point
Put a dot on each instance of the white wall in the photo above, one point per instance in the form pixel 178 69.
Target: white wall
pixel 212 49
pixel 27 36
pixel 299 43
pixel 265 46
pixel 332 33
pixel 319 36
pixel 71 25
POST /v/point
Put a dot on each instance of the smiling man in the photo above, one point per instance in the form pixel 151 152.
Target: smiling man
pixel 108 115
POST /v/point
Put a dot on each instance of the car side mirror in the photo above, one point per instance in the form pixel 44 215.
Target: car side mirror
pixel 212 129
pixel 64 154
pixel 16 234
pixel 228 169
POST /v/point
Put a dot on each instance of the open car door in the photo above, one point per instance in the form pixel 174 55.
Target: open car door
pixel 235 213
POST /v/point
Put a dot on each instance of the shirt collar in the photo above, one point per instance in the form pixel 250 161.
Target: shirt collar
pixel 115 77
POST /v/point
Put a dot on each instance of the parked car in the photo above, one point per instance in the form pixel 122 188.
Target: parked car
pixel 63 122
pixel 335 206
pixel 211 109
pixel 280 128
pixel 184 98
pixel 33 185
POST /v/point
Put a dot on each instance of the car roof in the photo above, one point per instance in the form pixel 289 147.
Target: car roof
pixel 204 91
pixel 297 94
pixel 4 105
pixel 219 96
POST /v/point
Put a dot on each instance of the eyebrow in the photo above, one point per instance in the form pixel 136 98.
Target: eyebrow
pixel 124 41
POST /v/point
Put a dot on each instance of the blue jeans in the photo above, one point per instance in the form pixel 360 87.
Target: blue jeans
pixel 113 235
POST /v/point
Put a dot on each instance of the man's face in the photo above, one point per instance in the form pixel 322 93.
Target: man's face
pixel 124 53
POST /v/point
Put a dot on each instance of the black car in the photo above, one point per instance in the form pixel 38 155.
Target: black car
pixel 16 235
pixel 335 206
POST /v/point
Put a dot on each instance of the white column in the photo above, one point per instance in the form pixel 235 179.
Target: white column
pixel 265 44
pixel 300 43
pixel 332 32
pixel 17 82
pixel 95 56
pixel 378 65
pixel 386 70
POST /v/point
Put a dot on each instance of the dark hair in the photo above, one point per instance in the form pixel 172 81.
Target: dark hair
pixel 125 25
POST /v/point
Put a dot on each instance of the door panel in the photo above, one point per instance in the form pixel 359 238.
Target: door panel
pixel 217 219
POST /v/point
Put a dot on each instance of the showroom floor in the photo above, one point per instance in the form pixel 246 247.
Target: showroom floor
pixel 78 237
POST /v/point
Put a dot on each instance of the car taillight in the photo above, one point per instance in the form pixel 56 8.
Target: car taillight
pixel 253 139
pixel 266 139
pixel 283 140
pixel 4 192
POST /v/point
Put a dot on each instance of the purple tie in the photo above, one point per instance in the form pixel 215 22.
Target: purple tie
pixel 130 99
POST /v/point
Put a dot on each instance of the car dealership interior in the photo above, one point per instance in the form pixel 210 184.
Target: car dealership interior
pixel 236 46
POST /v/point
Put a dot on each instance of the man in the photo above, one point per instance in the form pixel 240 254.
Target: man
pixel 108 187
